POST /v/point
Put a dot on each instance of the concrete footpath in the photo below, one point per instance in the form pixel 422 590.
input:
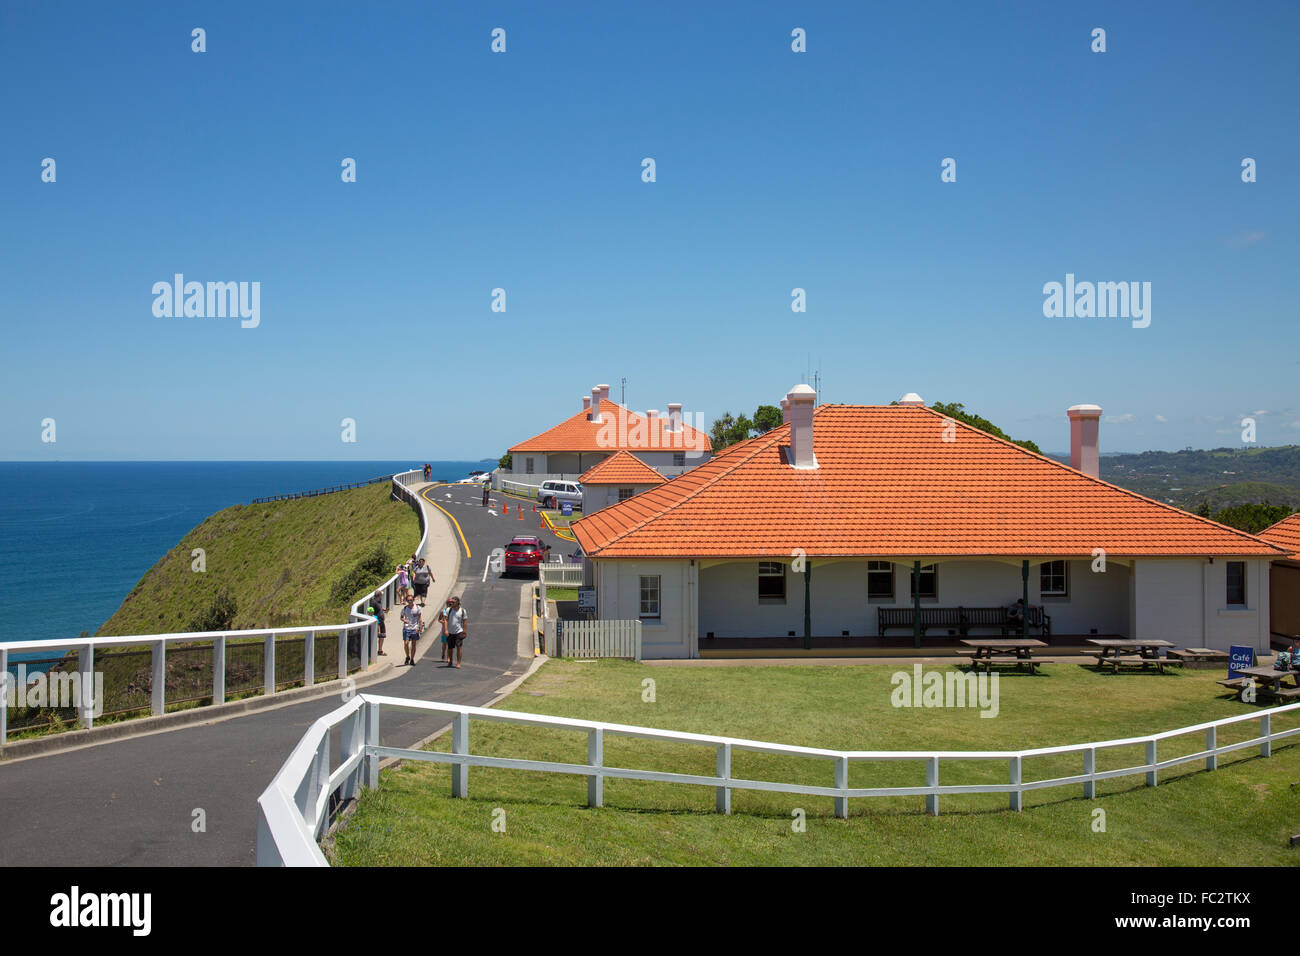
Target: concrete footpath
pixel 188 796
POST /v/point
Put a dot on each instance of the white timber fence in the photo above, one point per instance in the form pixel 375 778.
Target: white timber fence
pixel 300 801
pixel 599 639
pixel 355 639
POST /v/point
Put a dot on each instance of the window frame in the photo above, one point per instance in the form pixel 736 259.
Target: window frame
pixel 927 570
pixel 1065 579
pixel 679 459
pixel 624 497
pixel 887 569
pixel 657 588
pixel 766 572
pixel 1228 583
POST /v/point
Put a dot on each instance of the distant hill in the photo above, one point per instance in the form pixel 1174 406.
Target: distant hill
pixel 1219 477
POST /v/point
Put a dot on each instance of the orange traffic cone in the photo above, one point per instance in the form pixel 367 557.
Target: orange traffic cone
pixel 520 512
pixel 505 508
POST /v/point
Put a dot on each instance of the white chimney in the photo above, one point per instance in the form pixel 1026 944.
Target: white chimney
pixel 604 392
pixel 785 411
pixel 652 427
pixel 595 404
pixel 674 416
pixel 802 400
pixel 911 398
pixel 586 405
pixel 1084 452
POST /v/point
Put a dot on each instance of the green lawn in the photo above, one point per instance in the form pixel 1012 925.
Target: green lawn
pixel 561 594
pixel 1241 814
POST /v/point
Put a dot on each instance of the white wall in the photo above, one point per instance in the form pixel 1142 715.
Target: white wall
pixel 596 497
pixel 1185 601
pixel 729 604
pixel 618 596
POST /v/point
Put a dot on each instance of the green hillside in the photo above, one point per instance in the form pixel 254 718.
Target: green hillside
pixel 282 564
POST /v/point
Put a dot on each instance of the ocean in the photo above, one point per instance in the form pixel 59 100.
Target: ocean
pixel 76 537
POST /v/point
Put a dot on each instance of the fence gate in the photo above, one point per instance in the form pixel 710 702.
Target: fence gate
pixel 600 639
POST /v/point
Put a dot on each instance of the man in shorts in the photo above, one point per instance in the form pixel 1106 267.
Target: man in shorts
pixel 376 607
pixel 422 578
pixel 411 622
pixel 457 624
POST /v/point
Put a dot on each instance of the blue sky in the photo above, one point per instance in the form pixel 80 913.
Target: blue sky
pixel 522 171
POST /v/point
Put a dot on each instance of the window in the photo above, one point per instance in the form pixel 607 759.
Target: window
pixel 625 493
pixel 771 582
pixel 528 466
pixel 679 458
pixel 650 596
pixel 1237 583
pixel 1052 578
pixel 880 579
pixel 929 585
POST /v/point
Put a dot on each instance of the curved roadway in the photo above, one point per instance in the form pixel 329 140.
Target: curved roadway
pixel 134 801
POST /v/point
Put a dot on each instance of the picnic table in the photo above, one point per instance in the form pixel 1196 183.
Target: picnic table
pixel 1119 652
pixel 1268 679
pixel 1003 650
pixel 1199 656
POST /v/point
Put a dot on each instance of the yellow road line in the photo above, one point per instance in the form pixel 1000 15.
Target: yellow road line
pixel 425 495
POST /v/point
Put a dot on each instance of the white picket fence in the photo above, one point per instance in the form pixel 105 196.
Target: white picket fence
pixel 561 575
pixel 600 639
pixel 295 809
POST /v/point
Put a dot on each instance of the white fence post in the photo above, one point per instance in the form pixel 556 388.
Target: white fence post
pixel 1266 731
pixel 353 741
pixel 158 690
pixel 4 694
pixel 842 781
pixel 86 665
pixel 1017 795
pixel 268 666
pixel 1212 745
pixel 218 670
pixel 596 758
pixel 1151 762
pixel 723 797
pixel 344 636
pixel 1090 768
pixel 460 745
pixel 309 658
pixel 372 741
pixel 932 780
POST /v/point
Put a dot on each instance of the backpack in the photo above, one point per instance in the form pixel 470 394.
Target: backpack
pixel 1283 661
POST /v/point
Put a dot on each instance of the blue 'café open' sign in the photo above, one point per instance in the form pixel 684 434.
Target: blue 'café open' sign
pixel 1238 658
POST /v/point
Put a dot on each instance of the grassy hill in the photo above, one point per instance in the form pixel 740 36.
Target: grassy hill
pixel 278 561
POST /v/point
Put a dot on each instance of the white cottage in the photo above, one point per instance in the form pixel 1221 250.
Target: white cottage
pixel 617 478
pixel 811 534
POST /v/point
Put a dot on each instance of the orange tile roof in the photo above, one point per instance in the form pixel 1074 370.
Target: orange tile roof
pixel 1285 534
pixel 888 484
pixel 621 468
pixel 619 428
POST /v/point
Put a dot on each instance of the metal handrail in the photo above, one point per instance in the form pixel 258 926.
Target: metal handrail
pixel 294 807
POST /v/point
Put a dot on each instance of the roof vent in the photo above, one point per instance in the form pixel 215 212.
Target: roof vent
pixel 595 404
pixel 674 416
pixel 1084 450
pixel 802 400
pixel 911 398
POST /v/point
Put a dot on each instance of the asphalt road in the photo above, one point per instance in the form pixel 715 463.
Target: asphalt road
pixel 139 801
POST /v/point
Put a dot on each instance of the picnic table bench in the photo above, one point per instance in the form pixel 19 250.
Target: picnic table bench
pixel 991 650
pixel 1198 656
pixel 1141 653
pixel 961 619
pixel 1268 679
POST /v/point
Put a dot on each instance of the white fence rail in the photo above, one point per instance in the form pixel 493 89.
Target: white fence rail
pixel 295 808
pixel 560 575
pixel 600 639
pixel 360 624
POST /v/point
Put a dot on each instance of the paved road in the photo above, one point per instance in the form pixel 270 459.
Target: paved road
pixel 134 801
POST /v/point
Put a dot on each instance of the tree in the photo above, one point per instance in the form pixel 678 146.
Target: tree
pixel 728 430
pixel 957 412
pixel 504 462
pixel 219 616
pixel 766 417
pixel 1252 518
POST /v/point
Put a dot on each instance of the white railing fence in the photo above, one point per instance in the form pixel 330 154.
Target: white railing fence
pixel 297 805
pixel 559 575
pixel 599 639
pixel 361 625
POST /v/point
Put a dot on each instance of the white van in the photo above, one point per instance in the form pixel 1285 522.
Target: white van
pixel 551 493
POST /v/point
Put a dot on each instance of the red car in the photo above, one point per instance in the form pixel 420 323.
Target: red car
pixel 525 552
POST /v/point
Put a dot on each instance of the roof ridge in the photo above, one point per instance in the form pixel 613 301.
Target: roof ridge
pixel 728 468
pixel 1099 480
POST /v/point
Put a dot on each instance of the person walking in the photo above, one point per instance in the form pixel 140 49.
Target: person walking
pixel 403 583
pixel 457 624
pixel 377 609
pixel 422 578
pixel 487 485
pixel 411 621
pixel 442 626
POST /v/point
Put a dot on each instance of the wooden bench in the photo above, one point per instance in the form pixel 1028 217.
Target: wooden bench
pixel 1134 660
pixel 961 619
pixel 989 660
